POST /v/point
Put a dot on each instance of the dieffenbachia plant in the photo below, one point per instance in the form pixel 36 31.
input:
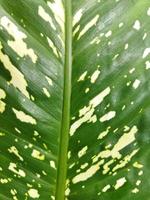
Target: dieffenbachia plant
pixel 74 99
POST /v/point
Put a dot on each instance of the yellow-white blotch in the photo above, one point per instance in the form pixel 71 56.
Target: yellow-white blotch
pixel 120 182
pixel 82 152
pixel 95 76
pixel 18 45
pixel 12 167
pixel 46 92
pixel 52 164
pixel 15 151
pixel 58 10
pixel 45 16
pixel 51 44
pixel 77 16
pixel 24 117
pixel 88 111
pixel 87 174
pixel 2 104
pixel 108 116
pixel 88 26
pixel 38 155
pixel 17 78
pixel 33 193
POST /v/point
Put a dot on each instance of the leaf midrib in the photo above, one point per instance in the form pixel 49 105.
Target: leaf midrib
pixel 65 121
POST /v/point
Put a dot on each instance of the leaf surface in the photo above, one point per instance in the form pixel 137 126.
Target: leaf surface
pixel 108 153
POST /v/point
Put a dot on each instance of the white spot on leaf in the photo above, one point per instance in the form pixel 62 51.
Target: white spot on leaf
pixel 88 26
pixel 38 155
pixel 108 116
pixel 23 117
pixel 88 111
pixel 33 193
pixel 120 182
pixel 12 167
pixel 17 78
pixel 44 15
pixel 95 76
pixel 137 25
pixel 77 17
pixel 82 152
pixel 136 84
pixel 2 104
pixel 18 45
pixel 146 52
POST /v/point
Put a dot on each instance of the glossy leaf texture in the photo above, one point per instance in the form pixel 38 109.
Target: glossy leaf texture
pixel 110 134
pixel 108 155
pixel 31 89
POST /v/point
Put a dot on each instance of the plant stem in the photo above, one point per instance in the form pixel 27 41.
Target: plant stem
pixel 64 138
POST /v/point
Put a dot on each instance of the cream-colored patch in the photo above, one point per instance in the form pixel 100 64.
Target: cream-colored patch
pixel 88 26
pixel 2 94
pixel 82 77
pixel 147 63
pixel 88 174
pixel 82 152
pixel 87 112
pixel 15 151
pixel 137 165
pixel 146 52
pixel 17 78
pixel 2 104
pixel 1 135
pixel 87 90
pixel 144 36
pixel 77 16
pixel 124 141
pixel 33 193
pixel 12 167
pixel 49 80
pixel 120 182
pixel 121 24
pixel 125 161
pixel 52 164
pixel 136 84
pixel 132 70
pixel 148 12
pixel 126 46
pixel 44 15
pixel 108 34
pixel 106 188
pixel 95 76
pixel 38 155
pixel 76 30
pixel 108 116
pixel 96 40
pixel 5 180
pixel 46 92
pixel 51 44
pixel 18 45
pixel 135 190
pixel 23 117
pixel 67 192
pixel 84 166
pixel 58 10
pixel 137 25
pixel 103 134
pixel 106 167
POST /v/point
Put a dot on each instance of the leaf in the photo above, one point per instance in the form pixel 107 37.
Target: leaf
pixel 108 153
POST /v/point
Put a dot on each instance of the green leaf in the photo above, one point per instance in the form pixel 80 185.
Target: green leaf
pixel 85 63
